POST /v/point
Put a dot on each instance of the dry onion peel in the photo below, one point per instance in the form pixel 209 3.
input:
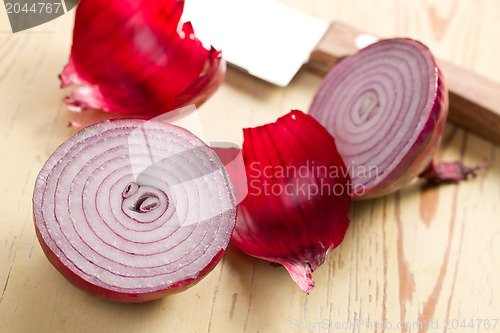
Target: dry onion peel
pixel 386 107
pixel 450 172
pixel 297 203
pixel 132 211
pixel 135 58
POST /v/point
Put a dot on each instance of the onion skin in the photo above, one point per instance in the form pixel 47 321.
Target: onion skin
pixel 297 227
pixel 422 151
pixel 132 243
pixel 112 296
pixel 129 58
pixel 424 141
pixel 450 172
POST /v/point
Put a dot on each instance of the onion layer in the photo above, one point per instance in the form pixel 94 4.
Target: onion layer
pixel 135 58
pixel 132 211
pixel 297 203
pixel 386 107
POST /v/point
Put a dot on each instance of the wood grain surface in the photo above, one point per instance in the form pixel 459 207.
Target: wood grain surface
pixel 411 260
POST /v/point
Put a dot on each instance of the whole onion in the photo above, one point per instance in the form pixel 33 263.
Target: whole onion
pixel 386 107
pixel 132 211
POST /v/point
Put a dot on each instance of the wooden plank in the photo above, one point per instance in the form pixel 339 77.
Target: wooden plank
pixel 420 256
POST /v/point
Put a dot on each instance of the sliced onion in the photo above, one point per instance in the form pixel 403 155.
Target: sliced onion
pixel 386 107
pixel 297 203
pixel 135 58
pixel 132 211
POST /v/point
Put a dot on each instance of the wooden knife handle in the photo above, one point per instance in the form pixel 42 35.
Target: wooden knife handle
pixel 474 100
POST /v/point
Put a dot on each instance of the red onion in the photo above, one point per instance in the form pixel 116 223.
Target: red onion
pixel 450 172
pixel 132 211
pixel 386 107
pixel 135 58
pixel 298 196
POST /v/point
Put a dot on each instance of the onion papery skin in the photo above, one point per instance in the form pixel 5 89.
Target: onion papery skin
pixel 131 210
pixel 386 107
pixel 135 58
pixel 297 227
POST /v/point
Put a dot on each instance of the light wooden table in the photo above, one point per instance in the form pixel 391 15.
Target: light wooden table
pixel 421 256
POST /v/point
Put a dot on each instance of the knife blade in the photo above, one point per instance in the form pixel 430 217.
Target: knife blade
pixel 253 39
pixel 272 41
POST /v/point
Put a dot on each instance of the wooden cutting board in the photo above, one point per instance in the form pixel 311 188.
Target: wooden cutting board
pixel 422 257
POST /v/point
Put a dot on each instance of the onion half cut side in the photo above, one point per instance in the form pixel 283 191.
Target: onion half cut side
pixel 131 211
pixel 386 107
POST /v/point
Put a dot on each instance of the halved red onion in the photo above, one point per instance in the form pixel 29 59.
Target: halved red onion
pixel 132 211
pixel 386 107
pixel 135 58
pixel 298 196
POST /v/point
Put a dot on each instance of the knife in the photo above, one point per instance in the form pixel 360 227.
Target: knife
pixel 272 41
